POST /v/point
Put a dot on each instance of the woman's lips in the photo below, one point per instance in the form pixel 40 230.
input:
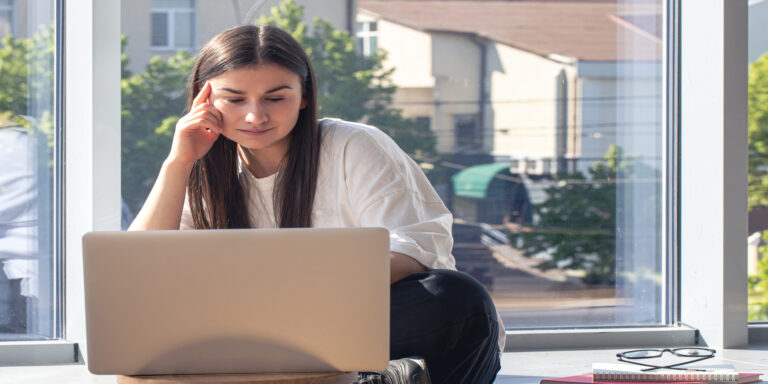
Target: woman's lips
pixel 255 132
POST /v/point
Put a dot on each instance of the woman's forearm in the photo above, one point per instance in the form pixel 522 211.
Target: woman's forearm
pixel 401 265
pixel 165 202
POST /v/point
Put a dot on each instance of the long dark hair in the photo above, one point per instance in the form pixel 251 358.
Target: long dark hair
pixel 216 196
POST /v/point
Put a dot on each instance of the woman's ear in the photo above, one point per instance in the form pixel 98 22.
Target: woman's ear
pixel 303 102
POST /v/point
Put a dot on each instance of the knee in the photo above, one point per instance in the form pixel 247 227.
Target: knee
pixel 461 294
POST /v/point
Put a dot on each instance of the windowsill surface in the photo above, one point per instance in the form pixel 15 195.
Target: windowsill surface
pixel 517 367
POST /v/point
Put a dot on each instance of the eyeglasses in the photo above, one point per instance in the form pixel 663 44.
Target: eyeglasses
pixel 697 354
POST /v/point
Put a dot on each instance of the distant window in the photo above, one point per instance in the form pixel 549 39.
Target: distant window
pixel 6 18
pixel 467 132
pixel 173 24
pixel 367 38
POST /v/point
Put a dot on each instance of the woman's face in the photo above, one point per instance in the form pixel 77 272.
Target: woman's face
pixel 259 106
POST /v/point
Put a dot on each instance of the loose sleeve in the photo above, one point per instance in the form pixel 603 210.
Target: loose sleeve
pixel 388 189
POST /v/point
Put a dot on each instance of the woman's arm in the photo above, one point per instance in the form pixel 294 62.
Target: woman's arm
pixel 401 265
pixel 194 136
pixel 163 207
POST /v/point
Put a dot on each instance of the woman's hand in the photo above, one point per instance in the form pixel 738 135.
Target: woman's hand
pixel 197 130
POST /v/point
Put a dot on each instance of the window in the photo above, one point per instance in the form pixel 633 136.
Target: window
pixel 467 132
pixel 6 18
pixel 173 24
pixel 367 40
pixel 29 149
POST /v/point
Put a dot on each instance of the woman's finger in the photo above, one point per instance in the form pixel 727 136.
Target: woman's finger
pixel 202 96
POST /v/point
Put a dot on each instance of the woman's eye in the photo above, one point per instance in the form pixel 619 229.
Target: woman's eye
pixel 234 100
pixel 275 99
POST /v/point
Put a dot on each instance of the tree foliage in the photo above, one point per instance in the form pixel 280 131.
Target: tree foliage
pixel 26 81
pixel 152 102
pixel 758 132
pixel 576 224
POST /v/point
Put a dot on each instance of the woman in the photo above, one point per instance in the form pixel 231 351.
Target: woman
pixel 251 153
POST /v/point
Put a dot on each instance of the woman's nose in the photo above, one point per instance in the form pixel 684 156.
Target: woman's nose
pixel 256 115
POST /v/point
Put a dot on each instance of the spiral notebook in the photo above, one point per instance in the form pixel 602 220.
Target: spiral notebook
pixel 587 379
pixel 628 372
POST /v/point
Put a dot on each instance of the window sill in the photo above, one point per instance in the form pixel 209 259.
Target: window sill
pixel 537 340
pixel 516 367
pixel 37 352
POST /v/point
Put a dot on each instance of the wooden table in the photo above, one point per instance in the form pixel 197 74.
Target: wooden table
pixel 262 378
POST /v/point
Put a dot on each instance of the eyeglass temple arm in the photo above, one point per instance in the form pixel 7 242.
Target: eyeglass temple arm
pixel 673 366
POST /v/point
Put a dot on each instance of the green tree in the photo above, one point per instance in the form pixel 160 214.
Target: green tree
pixel 758 132
pixel 576 224
pixel 26 81
pixel 152 102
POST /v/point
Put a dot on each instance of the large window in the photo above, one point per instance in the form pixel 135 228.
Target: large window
pixel 28 132
pixel 173 24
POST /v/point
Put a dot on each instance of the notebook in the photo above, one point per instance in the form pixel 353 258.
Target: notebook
pixel 744 378
pixel 633 372
pixel 237 301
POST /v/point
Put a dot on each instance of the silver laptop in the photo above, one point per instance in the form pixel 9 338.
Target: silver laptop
pixel 237 301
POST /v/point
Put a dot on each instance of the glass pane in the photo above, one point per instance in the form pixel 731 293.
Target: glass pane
pixel 553 169
pixel 159 29
pixel 184 29
pixel 27 262
pixel 557 196
pixel 757 262
pixel 173 3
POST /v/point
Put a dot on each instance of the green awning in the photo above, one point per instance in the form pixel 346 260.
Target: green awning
pixel 473 181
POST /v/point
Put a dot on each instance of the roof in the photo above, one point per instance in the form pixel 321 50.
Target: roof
pixel 473 181
pixel 581 29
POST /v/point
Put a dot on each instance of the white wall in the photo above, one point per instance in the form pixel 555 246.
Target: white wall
pixel 524 93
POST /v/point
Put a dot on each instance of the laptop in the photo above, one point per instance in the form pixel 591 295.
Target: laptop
pixel 237 301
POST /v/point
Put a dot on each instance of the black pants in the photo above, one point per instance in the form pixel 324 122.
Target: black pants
pixel 447 318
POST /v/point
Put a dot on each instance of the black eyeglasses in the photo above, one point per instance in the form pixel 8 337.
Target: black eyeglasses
pixel 697 354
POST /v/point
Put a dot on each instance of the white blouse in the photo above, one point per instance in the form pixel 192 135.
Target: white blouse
pixel 365 180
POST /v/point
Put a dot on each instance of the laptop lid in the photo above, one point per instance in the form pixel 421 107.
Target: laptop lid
pixel 237 301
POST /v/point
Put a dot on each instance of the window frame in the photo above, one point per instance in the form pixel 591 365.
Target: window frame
pixel 171 13
pixel 366 36
pixel 715 30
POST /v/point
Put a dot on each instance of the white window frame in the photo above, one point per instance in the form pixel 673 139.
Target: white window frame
pixel 171 13
pixel 12 14
pixel 712 179
pixel 366 35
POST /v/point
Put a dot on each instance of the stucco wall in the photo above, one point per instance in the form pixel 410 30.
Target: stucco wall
pixel 524 97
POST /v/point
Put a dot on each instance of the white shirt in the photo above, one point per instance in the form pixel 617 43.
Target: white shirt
pixel 366 180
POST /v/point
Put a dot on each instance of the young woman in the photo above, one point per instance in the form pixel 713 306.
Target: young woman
pixel 251 153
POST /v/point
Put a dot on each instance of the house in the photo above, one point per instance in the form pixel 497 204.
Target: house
pixel 540 84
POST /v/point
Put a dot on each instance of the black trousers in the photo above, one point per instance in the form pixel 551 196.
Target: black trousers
pixel 448 319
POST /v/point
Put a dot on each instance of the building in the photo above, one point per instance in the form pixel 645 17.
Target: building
pixel 539 84
pixel 187 24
